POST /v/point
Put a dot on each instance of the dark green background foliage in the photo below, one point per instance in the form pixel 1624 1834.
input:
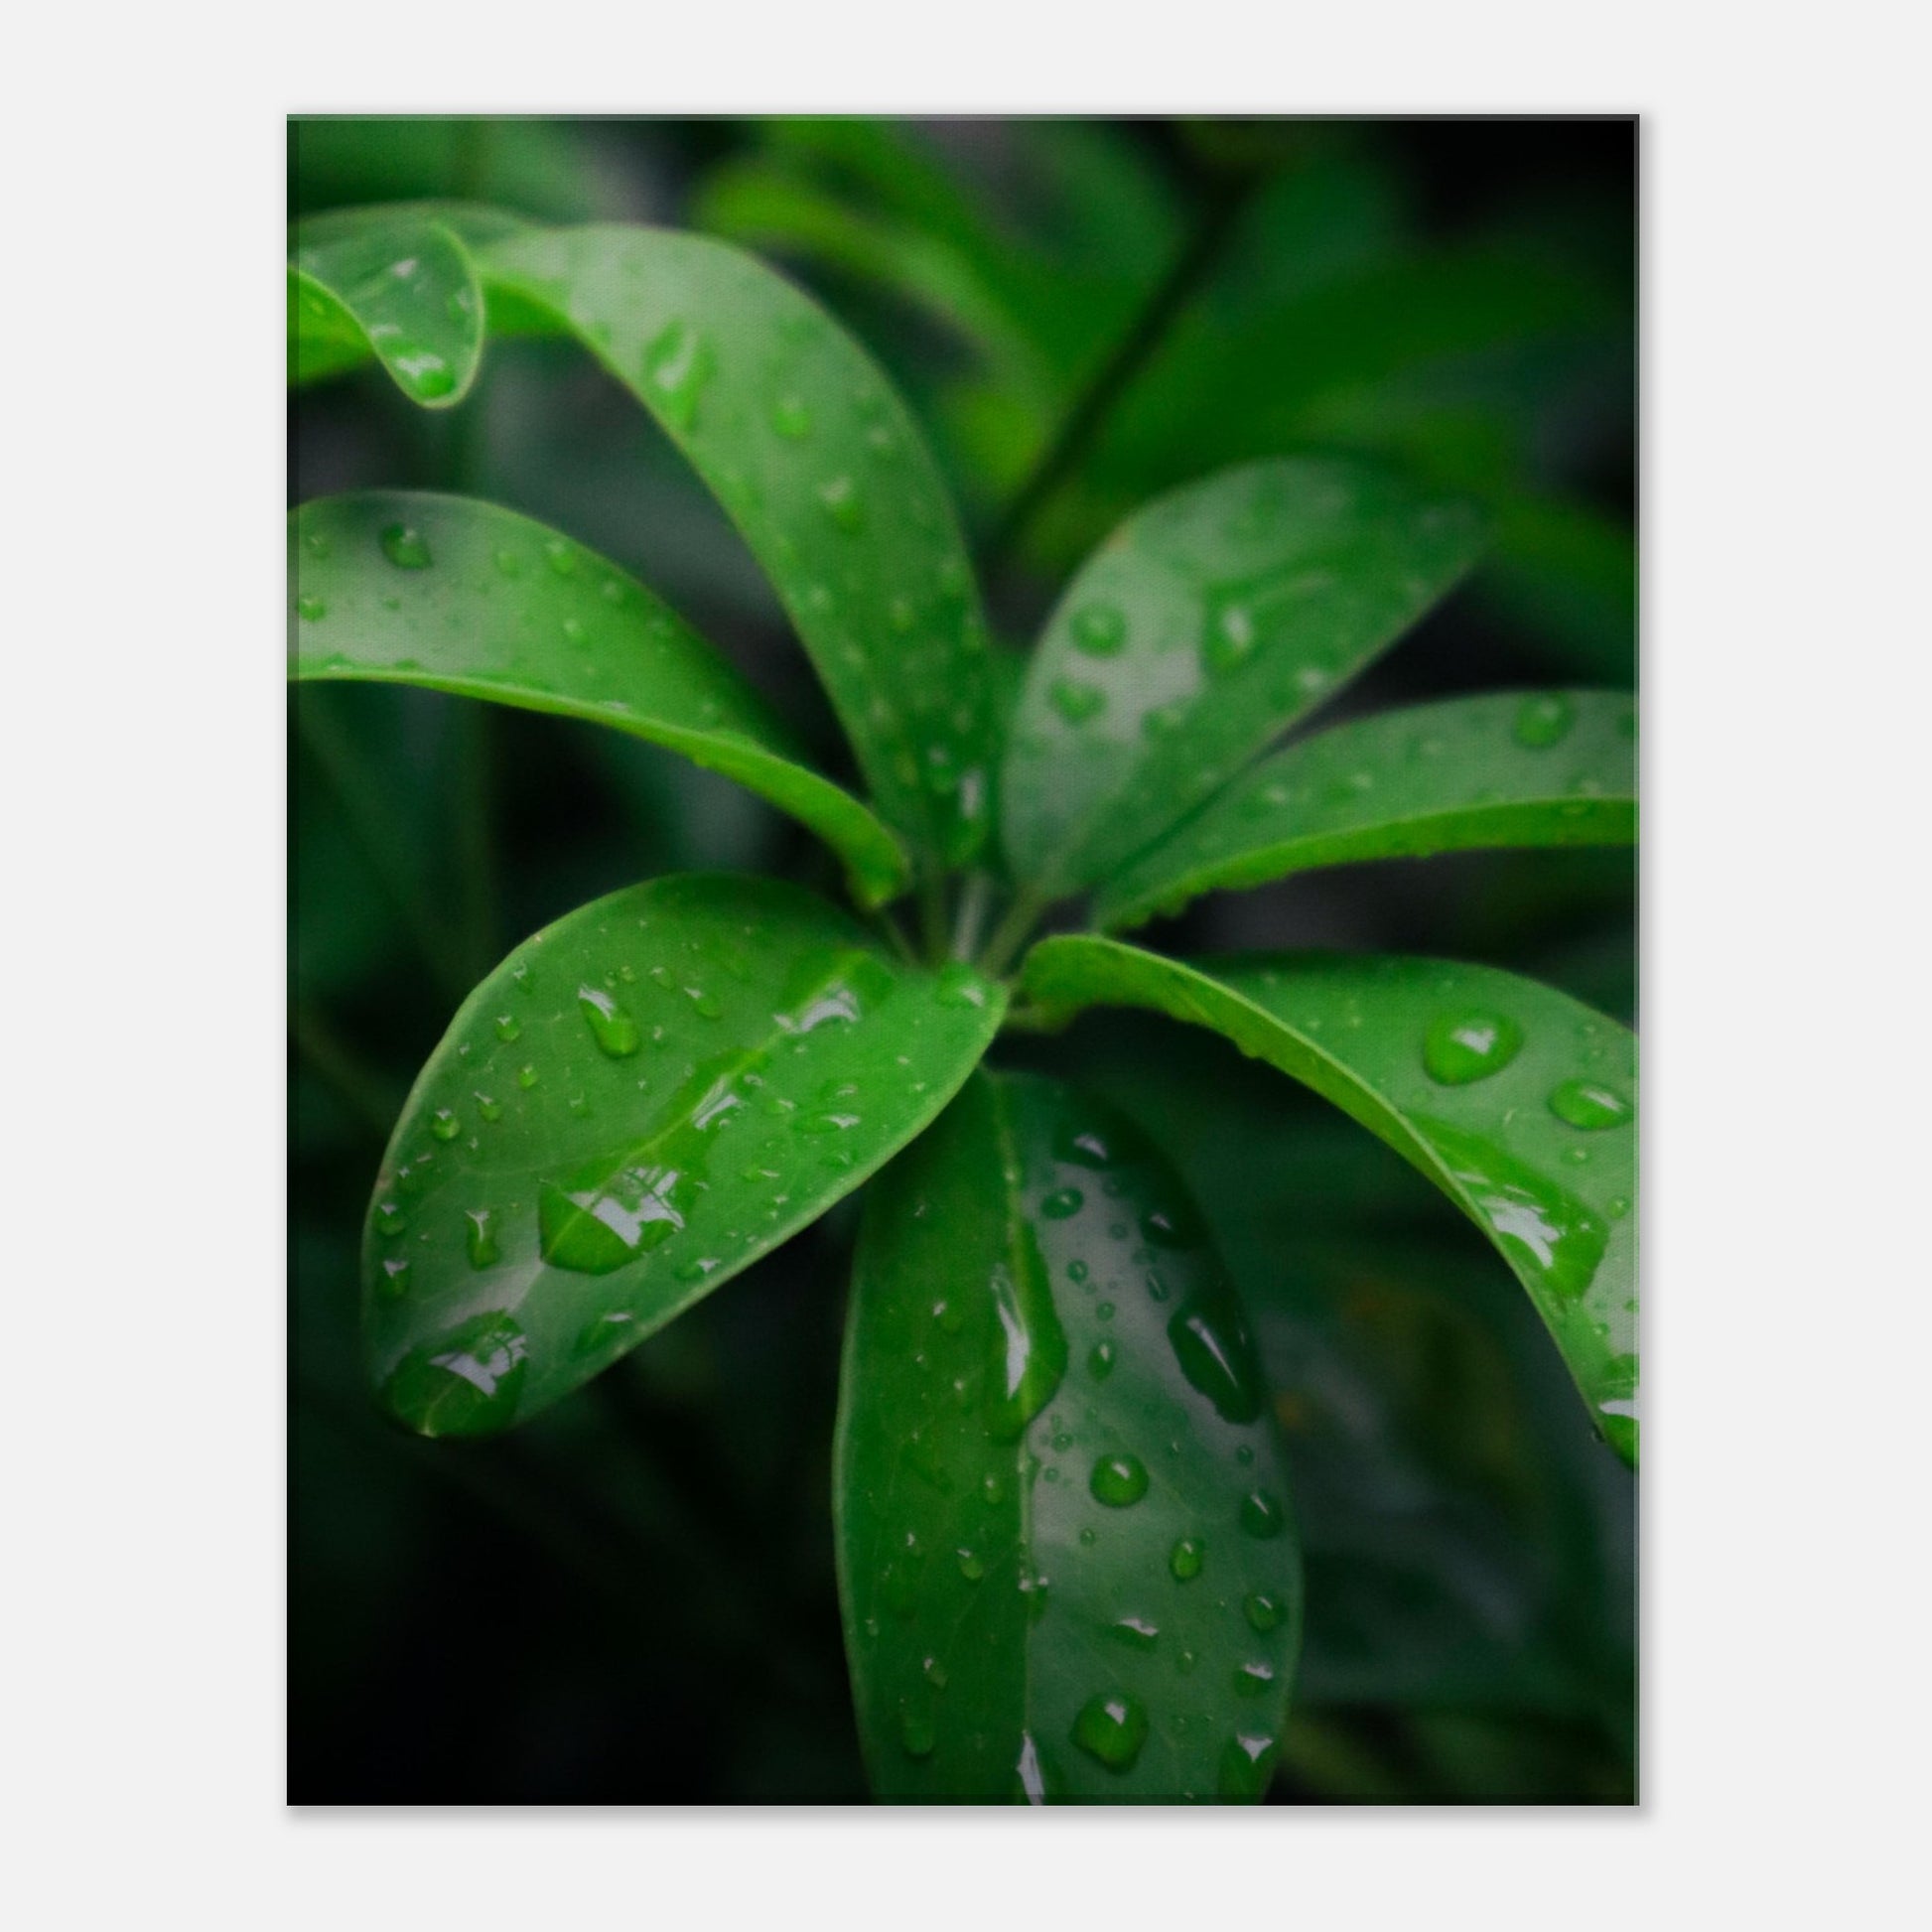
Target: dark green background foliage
pixel 633 1598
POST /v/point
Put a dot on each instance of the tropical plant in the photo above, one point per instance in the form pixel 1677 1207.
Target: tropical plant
pixel 1067 1553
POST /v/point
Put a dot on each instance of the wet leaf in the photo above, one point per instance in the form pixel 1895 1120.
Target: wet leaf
pixel 640 1101
pixel 459 596
pixel 1208 623
pixel 1535 768
pixel 1065 1556
pixel 399 283
pixel 818 462
pixel 1517 1101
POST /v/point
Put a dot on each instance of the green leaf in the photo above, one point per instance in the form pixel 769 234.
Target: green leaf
pixel 1555 767
pixel 459 596
pixel 792 426
pixel 638 1103
pixel 1516 1100
pixel 397 283
pixel 1205 625
pixel 1064 1549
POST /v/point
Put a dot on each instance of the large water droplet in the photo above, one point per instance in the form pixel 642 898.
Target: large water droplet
pixel 593 1230
pixel 443 1124
pixel 405 547
pixel 1254 1680
pixel 1028 1344
pixel 1186 1559
pixel 1532 1217
pixel 614 1030
pixel 1210 1342
pixel 1119 1480
pixel 1589 1105
pixel 1111 1729
pixel 1544 721
pixel 463 1383
pixel 1470 1045
pixel 960 984
pixel 1137 1632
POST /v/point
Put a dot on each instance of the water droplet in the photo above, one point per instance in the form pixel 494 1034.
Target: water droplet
pixel 490 1110
pixel 1247 1765
pixel 1137 1632
pixel 390 1218
pixel 1111 1729
pixel 677 365
pixel 1253 1680
pixel 1100 1360
pixel 1186 1559
pixel 1174 1227
pixel 917 1733
pixel 934 1673
pixel 971 1567
pixel 1083 1147
pixel 1589 1105
pixel 1470 1045
pixel 405 547
pixel 791 418
pixel 614 1030
pixel 1544 721
pixel 574 632
pixel 960 984
pixel 480 1238
pixel 1264 1613
pixel 1030 1350
pixel 507 1026
pixel 1099 630
pixel 1077 1272
pixel 1231 641
pixel 1077 702
pixel 843 505
pixel 443 1124
pixel 526 1077
pixel 1210 1342
pixel 310 608
pixel 1119 1480
pixel 1617 1207
pixel 1063 1202
pixel 463 1383
pixel 393 1280
pixel 1262 1515
pixel 1534 1219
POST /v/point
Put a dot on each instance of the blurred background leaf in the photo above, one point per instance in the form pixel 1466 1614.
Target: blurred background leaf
pixel 634 1601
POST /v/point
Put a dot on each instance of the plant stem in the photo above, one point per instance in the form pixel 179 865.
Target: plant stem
pixel 1111 380
pixel 894 934
pixel 1011 934
pixel 974 903
pixel 932 915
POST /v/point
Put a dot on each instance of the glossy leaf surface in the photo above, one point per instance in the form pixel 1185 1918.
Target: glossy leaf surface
pixel 1542 768
pixel 395 282
pixel 1065 1554
pixel 460 596
pixel 803 440
pixel 1202 628
pixel 1516 1100
pixel 640 1100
